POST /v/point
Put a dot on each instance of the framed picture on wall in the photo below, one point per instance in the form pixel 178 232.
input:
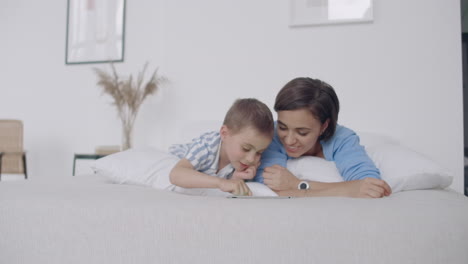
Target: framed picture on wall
pixel 95 31
pixel 321 12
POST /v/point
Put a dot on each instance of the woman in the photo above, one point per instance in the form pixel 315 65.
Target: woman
pixel 307 126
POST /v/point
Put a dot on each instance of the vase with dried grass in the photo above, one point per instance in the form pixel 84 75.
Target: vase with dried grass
pixel 128 95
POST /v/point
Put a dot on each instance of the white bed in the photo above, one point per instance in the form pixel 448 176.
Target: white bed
pixel 91 219
pixel 86 219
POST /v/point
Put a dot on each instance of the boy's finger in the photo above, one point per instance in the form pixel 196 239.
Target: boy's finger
pixel 246 191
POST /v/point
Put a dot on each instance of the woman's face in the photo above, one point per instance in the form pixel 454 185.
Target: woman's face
pixel 299 131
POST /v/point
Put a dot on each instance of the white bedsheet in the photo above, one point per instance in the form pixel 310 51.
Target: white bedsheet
pixel 87 220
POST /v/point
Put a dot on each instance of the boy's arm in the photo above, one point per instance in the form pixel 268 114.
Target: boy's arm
pixel 184 175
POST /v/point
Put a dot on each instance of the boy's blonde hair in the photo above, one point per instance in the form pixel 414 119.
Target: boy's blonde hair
pixel 250 112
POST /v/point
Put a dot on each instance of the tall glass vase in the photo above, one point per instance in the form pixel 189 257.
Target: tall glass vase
pixel 127 133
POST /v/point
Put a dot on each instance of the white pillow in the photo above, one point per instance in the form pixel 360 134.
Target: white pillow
pixel 151 167
pixel 314 169
pixel 405 169
pixel 402 168
pixel 370 139
pixel 146 166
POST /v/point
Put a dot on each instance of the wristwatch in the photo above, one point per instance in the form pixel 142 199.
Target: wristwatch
pixel 303 185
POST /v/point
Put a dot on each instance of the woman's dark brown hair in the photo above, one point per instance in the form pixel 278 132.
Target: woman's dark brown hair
pixel 313 94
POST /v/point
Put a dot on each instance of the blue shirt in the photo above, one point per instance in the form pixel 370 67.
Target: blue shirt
pixel 343 148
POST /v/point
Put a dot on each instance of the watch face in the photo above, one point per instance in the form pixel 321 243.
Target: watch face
pixel 303 186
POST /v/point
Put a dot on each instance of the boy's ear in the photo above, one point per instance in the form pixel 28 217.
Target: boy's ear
pixel 224 132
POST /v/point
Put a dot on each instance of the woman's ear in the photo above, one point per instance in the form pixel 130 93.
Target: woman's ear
pixel 224 132
pixel 324 126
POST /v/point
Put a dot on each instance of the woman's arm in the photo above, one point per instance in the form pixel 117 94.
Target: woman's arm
pixel 273 155
pixel 284 183
pixel 367 188
pixel 184 175
pixel 350 157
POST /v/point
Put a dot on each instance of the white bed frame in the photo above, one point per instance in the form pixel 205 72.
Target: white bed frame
pixel 88 220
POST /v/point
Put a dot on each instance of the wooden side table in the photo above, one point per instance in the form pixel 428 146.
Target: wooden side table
pixel 23 157
pixel 85 156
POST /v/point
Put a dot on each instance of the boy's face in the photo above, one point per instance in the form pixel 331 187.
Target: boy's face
pixel 244 148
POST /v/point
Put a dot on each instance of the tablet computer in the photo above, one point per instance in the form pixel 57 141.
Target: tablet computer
pixel 259 197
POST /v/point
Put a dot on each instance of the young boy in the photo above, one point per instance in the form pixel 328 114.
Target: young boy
pixel 232 155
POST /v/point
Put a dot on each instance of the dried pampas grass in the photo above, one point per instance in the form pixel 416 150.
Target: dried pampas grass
pixel 128 95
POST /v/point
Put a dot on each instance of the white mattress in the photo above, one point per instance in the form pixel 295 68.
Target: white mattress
pixel 86 220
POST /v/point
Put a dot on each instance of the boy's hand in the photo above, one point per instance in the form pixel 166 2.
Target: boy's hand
pixel 235 186
pixel 246 174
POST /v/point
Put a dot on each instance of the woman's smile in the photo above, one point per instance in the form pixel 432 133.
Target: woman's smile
pixel 292 149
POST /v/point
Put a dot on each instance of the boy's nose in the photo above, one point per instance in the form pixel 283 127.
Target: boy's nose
pixel 250 158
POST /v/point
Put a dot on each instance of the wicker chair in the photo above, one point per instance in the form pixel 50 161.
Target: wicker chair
pixel 12 155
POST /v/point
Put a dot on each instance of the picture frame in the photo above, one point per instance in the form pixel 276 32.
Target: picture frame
pixel 322 12
pixel 95 31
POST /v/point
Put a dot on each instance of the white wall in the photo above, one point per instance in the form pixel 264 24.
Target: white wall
pixel 399 76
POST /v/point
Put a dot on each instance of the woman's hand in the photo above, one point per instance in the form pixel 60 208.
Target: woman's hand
pixel 284 182
pixel 369 188
pixel 235 186
pixel 246 174
pixel 279 178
